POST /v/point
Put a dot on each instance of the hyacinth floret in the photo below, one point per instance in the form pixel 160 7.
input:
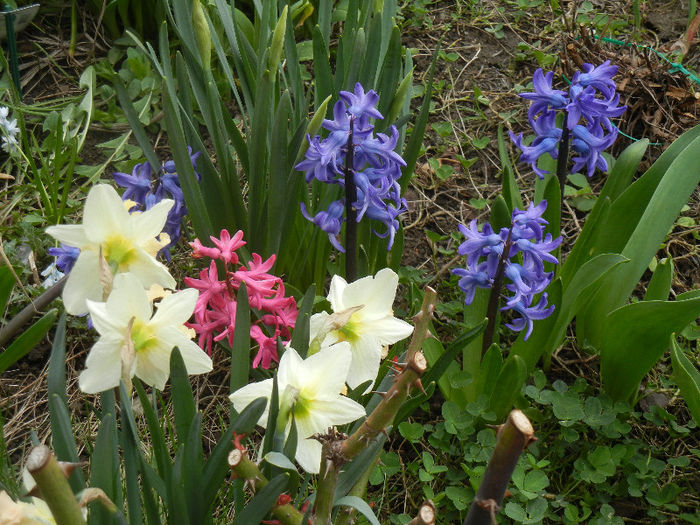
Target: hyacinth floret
pixel 376 166
pixel 215 310
pixel 145 189
pixel 522 248
pixel 589 105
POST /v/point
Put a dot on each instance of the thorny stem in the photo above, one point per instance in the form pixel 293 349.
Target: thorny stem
pixel 512 438
pixel 54 487
pixel 386 410
pixel 492 309
pixel 563 158
pixel 350 212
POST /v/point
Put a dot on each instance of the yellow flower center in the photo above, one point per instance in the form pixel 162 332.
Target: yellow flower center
pixel 142 335
pixel 348 332
pixel 119 252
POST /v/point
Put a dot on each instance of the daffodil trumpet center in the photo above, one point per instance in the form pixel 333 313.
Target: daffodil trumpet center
pixel 142 336
pixel 119 252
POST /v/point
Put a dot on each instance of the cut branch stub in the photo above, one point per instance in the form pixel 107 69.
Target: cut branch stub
pixel 512 438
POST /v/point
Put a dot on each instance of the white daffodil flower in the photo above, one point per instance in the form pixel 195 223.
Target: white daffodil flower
pixel 20 513
pixel 126 241
pixel 132 342
pixel 310 389
pixel 370 326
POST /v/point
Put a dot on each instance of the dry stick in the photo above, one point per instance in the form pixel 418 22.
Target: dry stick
pixel 512 438
pixel 426 514
pixel 54 487
pixel 246 469
pixel 22 318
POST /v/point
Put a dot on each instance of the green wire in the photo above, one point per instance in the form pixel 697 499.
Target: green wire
pixel 675 67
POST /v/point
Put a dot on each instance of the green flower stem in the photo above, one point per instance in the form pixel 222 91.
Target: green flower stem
pixel 512 438
pixel 55 489
pixel 426 514
pixel 385 412
pixel 244 468
pixel 346 515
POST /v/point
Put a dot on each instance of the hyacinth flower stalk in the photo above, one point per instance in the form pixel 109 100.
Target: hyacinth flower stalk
pixel 364 165
pixel 215 311
pixel 511 264
pixel 587 109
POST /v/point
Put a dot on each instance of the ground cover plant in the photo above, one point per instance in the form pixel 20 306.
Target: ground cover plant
pixel 351 262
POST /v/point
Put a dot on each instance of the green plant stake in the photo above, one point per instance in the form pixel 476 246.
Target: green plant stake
pixel 12 48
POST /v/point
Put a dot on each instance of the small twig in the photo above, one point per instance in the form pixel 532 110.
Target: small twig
pixel 426 514
pixel 22 318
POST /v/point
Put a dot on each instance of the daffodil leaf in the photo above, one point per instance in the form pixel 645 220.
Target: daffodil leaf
pixel 258 507
pixel 183 400
pixel 360 506
pixel 687 377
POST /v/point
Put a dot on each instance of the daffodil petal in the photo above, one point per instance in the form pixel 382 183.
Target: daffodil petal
pixel 308 455
pixel 388 330
pixel 153 365
pixel 335 293
pixel 102 366
pixel 150 271
pixel 366 355
pixel 342 409
pixel 83 283
pixel 104 214
pixel 176 308
pixel 244 396
pixel 196 360
pixel 128 299
pixel 291 368
pixel 375 293
pixel 327 369
pixel 149 224
pixel 70 234
pixel 105 322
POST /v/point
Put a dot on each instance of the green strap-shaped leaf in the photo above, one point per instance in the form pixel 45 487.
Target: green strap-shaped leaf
pixel 491 365
pixel 359 505
pixel 635 337
pixel 240 350
pixel 687 377
pixel 673 190
pixel 7 282
pixel 183 399
pixel 510 380
pixel 24 344
pixel 660 283
pixel 104 469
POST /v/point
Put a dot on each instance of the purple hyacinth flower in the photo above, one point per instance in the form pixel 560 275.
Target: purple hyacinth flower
pixel 528 314
pixel 544 96
pixel 361 104
pixel 600 77
pixel 65 257
pixel 589 143
pixel 470 280
pixel 376 166
pixel 329 221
